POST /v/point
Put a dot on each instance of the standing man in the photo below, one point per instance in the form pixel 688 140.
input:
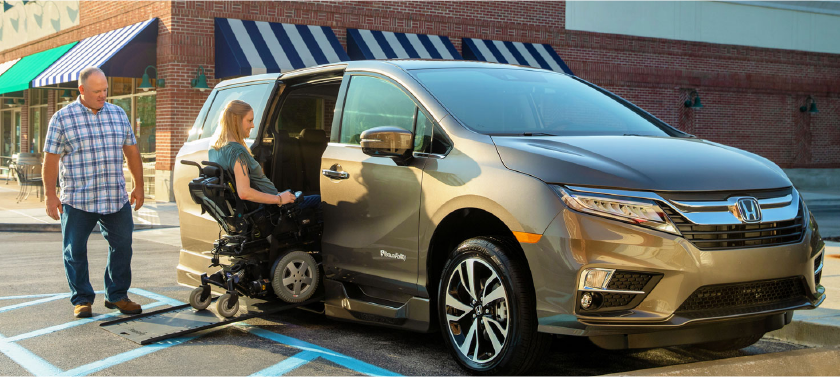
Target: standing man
pixel 89 137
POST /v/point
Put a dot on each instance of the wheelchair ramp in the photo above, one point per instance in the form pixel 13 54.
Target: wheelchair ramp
pixel 180 320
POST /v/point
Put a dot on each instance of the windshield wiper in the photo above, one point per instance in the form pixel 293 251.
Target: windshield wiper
pixel 536 134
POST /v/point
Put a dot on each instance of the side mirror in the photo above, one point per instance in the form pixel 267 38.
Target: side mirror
pixel 388 141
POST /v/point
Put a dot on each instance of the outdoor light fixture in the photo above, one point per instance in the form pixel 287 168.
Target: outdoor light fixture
pixel 812 108
pixel 11 103
pixel 65 95
pixel 696 103
pixel 146 84
pixel 200 80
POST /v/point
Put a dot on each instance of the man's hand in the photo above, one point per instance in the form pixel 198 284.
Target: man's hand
pixel 137 197
pixel 54 209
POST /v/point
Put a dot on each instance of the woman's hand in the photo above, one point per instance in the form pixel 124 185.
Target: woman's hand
pixel 285 197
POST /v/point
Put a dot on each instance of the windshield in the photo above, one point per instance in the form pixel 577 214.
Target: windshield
pixel 505 101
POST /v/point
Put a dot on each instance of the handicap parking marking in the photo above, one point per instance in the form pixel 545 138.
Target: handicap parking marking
pixel 39 367
pixel 313 351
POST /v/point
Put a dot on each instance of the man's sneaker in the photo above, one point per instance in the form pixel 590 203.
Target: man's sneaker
pixel 82 311
pixel 125 306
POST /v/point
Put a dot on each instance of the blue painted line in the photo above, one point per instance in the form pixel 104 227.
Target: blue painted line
pixel 68 325
pixel 96 366
pixel 30 296
pixel 155 296
pixel 36 302
pixel 31 362
pixel 291 363
pixel 335 357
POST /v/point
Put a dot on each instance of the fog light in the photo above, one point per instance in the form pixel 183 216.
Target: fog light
pixel 596 278
pixel 586 301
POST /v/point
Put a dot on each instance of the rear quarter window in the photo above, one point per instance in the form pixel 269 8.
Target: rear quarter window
pixel 255 95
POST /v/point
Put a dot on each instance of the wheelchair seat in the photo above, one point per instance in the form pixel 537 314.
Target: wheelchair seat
pixel 248 225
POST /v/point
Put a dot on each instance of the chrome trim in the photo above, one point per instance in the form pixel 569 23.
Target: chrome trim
pixel 716 212
pixel 668 321
pixel 587 289
pixel 429 155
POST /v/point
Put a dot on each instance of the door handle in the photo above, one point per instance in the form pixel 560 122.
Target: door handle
pixel 332 174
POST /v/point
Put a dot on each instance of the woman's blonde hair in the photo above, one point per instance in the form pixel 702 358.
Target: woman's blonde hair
pixel 230 124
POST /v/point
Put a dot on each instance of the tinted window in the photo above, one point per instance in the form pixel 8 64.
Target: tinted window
pixel 373 102
pixel 255 95
pixel 513 102
pixel 309 107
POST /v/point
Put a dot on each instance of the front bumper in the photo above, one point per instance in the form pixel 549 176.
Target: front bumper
pixel 574 241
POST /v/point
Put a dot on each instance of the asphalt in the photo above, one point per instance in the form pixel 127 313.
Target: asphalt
pixel 818 327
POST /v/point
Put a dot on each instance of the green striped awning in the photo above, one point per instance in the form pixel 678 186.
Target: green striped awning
pixel 19 76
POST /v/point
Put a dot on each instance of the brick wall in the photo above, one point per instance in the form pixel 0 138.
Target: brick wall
pixel 751 95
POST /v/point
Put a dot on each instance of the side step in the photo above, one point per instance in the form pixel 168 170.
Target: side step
pixel 180 320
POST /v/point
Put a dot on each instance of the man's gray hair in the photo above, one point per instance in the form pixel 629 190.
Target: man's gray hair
pixel 83 76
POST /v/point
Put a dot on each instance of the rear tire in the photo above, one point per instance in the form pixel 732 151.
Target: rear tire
pixel 295 277
pixel 486 293
pixel 731 344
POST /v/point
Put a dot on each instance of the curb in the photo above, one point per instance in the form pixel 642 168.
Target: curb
pixel 57 227
pixel 820 332
pixel 804 362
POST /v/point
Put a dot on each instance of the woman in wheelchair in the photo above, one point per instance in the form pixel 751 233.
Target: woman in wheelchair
pixel 272 238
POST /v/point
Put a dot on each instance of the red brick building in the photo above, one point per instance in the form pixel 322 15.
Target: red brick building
pixel 751 95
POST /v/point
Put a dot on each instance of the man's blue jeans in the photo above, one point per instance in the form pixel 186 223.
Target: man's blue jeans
pixel 76 226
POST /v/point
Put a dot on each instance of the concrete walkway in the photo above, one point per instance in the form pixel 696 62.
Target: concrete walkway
pixel 30 215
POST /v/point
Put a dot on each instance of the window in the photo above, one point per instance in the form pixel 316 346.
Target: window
pixel 310 107
pixel 373 102
pixel 37 119
pixel 429 138
pixel 255 95
pixel 499 101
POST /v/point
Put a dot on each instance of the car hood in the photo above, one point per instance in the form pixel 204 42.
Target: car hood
pixel 639 162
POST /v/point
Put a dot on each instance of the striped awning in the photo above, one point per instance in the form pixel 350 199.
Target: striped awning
pixel 533 54
pixel 374 44
pixel 5 66
pixel 252 47
pixel 20 75
pixel 123 52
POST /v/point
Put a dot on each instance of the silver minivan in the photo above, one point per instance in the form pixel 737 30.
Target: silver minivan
pixel 505 205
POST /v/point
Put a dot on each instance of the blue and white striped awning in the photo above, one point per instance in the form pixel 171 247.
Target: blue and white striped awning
pixel 374 44
pixel 129 46
pixel 251 47
pixel 533 54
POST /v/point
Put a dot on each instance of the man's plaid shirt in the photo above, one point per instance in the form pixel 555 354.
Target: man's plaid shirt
pixel 90 146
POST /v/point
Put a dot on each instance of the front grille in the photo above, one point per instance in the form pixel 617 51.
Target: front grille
pixel 628 281
pixel 721 237
pixel 818 261
pixel 729 296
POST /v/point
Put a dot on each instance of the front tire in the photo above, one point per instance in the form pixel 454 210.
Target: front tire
pixel 487 309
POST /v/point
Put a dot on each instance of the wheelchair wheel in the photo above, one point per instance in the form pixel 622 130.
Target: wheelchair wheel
pixel 295 277
pixel 226 306
pixel 195 299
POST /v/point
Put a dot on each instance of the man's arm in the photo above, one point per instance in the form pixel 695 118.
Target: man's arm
pixel 132 155
pixel 50 175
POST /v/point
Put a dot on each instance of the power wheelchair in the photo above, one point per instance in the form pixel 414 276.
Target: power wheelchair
pixel 266 251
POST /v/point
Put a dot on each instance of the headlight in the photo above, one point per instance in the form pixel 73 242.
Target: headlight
pixel 637 211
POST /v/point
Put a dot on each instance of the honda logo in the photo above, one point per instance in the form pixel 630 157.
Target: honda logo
pixel 749 210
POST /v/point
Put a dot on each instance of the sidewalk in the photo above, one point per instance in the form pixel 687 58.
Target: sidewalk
pixel 30 215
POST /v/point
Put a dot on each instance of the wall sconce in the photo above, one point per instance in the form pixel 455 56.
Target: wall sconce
pixel 696 103
pixel 11 102
pixel 65 95
pixel 146 84
pixel 812 108
pixel 200 80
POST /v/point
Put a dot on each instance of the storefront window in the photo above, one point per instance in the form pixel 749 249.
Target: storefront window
pixel 6 146
pixel 139 107
pixel 37 119
pixel 120 86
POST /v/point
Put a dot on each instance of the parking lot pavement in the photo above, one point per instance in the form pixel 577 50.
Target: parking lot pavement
pixel 41 337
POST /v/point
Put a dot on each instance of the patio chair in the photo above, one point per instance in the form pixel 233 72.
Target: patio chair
pixel 29 176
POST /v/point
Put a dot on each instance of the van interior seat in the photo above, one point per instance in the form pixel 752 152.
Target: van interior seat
pixel 313 143
pixel 287 173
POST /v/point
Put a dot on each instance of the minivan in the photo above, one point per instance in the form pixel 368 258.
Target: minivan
pixel 506 205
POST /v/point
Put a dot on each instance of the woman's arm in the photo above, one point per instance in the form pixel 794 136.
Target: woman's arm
pixel 243 187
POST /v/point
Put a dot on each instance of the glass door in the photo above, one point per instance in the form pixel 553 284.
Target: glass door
pixel 6 140
pixel 16 126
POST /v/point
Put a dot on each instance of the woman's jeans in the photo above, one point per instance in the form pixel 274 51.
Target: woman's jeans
pixel 76 226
